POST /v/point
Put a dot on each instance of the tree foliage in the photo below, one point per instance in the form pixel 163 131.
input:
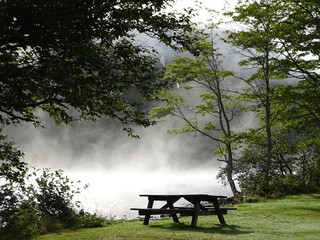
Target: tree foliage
pixel 279 39
pixel 72 60
pixel 205 103
pixel 67 57
pixel 279 46
pixel 299 47
pixel 257 41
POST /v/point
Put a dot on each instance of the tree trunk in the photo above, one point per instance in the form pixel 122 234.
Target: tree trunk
pixel 230 171
pixel 268 118
pixel 269 145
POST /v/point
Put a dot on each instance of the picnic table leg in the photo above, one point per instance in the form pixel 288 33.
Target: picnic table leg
pixel 173 215
pixel 147 216
pixel 195 215
pixel 169 205
pixel 194 220
pixel 218 211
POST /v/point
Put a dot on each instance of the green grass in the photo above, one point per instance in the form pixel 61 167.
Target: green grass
pixel 293 217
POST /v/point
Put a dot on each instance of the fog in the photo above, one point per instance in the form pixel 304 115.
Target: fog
pixel 118 168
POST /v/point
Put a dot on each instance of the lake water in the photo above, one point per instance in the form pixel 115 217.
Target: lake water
pixel 113 193
pixel 119 168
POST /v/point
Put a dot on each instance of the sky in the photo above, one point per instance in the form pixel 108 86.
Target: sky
pixel 203 16
pixel 214 4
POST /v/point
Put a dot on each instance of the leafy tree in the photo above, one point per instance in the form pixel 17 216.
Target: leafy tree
pixel 299 46
pixel 257 42
pixel 279 40
pixel 212 111
pixel 12 178
pixel 298 30
pixel 60 56
pixel 73 60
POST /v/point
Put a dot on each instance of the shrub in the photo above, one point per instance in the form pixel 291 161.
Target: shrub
pixel 55 197
pixel 43 203
pixel 88 220
pixel 23 223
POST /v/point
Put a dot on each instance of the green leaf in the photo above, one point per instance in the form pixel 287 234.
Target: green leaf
pixel 209 126
pixel 160 112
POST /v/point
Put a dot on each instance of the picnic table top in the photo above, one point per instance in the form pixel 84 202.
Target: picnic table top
pixel 198 196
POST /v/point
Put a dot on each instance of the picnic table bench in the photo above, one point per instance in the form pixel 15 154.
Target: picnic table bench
pixel 198 207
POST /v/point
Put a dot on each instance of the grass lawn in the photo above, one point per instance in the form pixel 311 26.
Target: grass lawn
pixel 293 217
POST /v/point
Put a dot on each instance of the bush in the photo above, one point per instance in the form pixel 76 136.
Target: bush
pixel 33 203
pixel 47 205
pixel 294 167
pixel 55 197
pixel 23 223
pixel 88 220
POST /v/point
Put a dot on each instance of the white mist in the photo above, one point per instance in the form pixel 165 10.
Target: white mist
pixel 119 168
pixel 113 193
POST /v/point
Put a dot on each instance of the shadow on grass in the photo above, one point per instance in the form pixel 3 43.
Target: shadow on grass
pixel 216 228
pixel 309 199
pixel 310 209
pixel 315 196
pixel 305 197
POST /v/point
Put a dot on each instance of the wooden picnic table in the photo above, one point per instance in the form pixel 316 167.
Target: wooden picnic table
pixel 199 207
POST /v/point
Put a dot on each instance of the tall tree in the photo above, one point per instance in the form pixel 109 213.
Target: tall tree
pixel 299 45
pixel 211 112
pixel 256 40
pixel 61 55
pixel 279 39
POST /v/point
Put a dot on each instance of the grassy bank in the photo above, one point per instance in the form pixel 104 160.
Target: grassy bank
pixel 293 217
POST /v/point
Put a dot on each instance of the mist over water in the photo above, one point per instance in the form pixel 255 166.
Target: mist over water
pixel 115 192
pixel 119 168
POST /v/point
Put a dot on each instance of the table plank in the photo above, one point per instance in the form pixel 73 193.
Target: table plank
pixel 166 196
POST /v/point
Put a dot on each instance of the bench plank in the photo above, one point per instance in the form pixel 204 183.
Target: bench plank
pixel 182 211
pixel 157 211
